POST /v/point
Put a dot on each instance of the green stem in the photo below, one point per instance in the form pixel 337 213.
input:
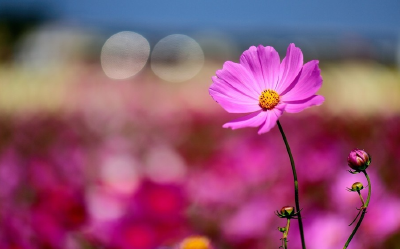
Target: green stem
pixel 285 234
pixel 369 188
pixel 287 228
pixel 361 198
pixel 296 186
pixel 363 211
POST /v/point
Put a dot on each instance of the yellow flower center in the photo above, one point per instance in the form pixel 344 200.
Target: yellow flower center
pixel 195 242
pixel 268 99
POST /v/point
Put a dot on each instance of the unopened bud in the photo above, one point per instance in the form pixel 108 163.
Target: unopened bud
pixel 282 229
pixel 287 210
pixel 357 186
pixel 358 160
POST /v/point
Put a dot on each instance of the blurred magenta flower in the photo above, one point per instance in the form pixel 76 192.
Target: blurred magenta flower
pixel 264 87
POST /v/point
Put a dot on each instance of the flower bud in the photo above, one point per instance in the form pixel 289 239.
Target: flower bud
pixel 357 186
pixel 358 160
pixel 287 211
pixel 282 229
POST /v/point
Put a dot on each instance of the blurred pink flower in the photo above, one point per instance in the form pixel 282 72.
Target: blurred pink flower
pixel 241 224
pixel 328 231
pixel 264 87
pixel 56 212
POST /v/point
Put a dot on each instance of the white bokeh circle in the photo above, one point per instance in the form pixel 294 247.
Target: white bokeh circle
pixel 124 54
pixel 177 58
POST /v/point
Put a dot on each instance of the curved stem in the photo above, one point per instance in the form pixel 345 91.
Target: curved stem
pixel 364 210
pixel 369 189
pixel 296 186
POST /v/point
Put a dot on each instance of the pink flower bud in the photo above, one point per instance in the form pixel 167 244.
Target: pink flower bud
pixel 358 160
pixel 287 211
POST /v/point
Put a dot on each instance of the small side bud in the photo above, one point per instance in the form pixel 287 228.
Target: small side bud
pixel 356 187
pixel 358 160
pixel 282 229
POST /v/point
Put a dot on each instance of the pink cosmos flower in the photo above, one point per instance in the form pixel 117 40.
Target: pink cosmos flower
pixel 264 87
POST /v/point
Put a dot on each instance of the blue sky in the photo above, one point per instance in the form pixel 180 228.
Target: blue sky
pixel 322 26
pixel 338 15
pixel 305 14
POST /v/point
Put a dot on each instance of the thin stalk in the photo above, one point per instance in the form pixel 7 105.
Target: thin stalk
pixel 361 198
pixel 296 186
pixel 369 189
pixel 285 235
pixel 364 210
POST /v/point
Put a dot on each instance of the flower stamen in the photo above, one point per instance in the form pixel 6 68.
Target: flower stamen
pixel 268 99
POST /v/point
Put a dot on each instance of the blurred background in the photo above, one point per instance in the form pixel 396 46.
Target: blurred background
pixel 109 138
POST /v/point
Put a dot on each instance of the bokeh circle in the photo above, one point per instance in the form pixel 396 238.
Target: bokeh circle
pixel 177 58
pixel 124 54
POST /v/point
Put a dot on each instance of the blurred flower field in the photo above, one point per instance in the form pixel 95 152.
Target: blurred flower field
pixel 90 162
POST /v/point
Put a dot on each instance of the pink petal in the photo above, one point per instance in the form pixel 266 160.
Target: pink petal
pixel 251 61
pixel 233 105
pixel 231 99
pixel 240 78
pixel 270 62
pixel 263 62
pixel 224 88
pixel 308 84
pixel 272 117
pixel 289 68
pixel 252 120
pixel 299 105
